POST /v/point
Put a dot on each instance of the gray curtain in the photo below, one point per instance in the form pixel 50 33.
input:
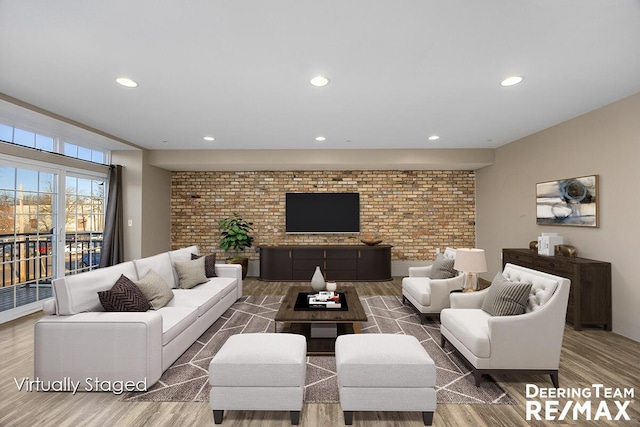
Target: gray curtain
pixel 112 245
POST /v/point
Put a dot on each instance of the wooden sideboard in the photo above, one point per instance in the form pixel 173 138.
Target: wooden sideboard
pixel 590 295
pixel 343 262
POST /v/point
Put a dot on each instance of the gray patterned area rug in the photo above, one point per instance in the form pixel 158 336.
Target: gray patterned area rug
pixel 187 379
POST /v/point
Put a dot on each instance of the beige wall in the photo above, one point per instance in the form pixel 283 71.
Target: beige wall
pixel 605 142
pixel 146 199
pixel 156 210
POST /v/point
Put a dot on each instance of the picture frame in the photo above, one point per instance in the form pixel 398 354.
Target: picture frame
pixel 569 202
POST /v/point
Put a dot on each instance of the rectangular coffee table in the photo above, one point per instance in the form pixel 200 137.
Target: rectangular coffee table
pixel 301 321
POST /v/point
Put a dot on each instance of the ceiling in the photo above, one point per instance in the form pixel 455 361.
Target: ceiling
pixel 400 71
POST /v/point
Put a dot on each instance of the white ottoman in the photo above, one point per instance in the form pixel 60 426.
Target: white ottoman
pixel 264 372
pixel 385 372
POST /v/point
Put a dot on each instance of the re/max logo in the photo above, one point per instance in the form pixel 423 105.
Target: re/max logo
pixel 551 410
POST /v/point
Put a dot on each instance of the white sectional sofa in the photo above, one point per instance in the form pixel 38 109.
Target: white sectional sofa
pixel 78 341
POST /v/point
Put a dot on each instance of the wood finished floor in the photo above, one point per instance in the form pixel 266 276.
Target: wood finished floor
pixel 588 357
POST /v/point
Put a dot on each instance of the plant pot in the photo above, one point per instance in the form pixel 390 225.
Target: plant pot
pixel 244 262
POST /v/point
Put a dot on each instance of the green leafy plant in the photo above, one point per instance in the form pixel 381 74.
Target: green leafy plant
pixel 234 233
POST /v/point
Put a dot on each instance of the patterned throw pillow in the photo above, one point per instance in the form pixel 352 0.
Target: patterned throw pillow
pixel 123 296
pixel 442 268
pixel 155 290
pixel 506 298
pixel 191 273
pixel 209 264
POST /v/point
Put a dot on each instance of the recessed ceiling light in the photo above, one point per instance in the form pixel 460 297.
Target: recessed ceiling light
pixel 126 82
pixel 510 81
pixel 319 81
pixel 434 137
pixel 209 138
pixel 320 138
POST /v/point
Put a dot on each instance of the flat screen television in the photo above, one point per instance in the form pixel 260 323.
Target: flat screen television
pixel 322 213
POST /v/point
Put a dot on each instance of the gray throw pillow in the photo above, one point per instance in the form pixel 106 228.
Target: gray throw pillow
pixel 191 273
pixel 506 298
pixel 442 268
pixel 155 290
pixel 209 264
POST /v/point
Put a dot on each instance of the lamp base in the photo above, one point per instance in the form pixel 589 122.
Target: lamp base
pixel 470 282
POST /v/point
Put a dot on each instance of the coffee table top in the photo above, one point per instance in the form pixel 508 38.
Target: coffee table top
pixel 355 312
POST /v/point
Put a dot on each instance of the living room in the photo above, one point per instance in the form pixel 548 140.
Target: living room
pixel 417 200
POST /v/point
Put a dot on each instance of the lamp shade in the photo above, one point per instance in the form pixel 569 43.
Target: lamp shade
pixel 470 261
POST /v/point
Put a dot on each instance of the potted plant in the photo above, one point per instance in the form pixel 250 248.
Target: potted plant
pixel 235 238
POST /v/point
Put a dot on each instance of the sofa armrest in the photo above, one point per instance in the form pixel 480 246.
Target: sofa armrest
pixel 107 346
pixel 419 271
pixel 468 299
pixel 231 270
pixel 532 339
pixel 441 291
pixel 49 306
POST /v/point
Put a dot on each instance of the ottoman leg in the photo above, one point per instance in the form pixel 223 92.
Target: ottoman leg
pixel 295 417
pixel 217 416
pixel 427 417
pixel 348 417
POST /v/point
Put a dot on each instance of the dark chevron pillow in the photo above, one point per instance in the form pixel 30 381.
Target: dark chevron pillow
pixel 209 264
pixel 123 296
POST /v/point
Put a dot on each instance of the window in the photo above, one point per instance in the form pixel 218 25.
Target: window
pixel 84 212
pixel 51 216
pixel 27 223
pixel 47 143
pixel 83 153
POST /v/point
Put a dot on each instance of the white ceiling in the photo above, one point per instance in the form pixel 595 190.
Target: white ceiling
pixel 400 70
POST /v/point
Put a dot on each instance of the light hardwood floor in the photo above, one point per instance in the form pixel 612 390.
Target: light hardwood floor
pixel 589 357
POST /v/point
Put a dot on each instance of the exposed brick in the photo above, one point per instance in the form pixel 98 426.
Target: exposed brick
pixel 415 211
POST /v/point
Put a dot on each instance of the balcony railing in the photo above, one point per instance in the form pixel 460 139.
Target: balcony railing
pixel 27 262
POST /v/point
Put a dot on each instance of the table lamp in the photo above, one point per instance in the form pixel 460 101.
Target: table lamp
pixel 471 262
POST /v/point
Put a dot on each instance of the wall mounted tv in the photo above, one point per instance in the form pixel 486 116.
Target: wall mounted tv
pixel 322 213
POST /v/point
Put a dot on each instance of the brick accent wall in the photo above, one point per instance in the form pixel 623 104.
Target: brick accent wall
pixel 415 211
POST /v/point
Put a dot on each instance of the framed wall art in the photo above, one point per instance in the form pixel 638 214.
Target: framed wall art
pixel 572 201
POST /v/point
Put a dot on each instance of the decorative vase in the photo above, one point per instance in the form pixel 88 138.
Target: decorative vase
pixel 317 281
pixel 332 286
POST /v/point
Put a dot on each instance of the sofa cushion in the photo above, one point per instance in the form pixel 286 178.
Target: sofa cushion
pixel 470 327
pixel 209 264
pixel 161 264
pixel 203 299
pixel 223 285
pixel 442 268
pixel 123 296
pixel 419 288
pixel 155 290
pixel 506 298
pixel 542 288
pixel 190 273
pixel 176 320
pixel 79 292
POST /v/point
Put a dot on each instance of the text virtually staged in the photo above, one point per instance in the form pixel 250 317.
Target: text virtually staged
pixel 89 384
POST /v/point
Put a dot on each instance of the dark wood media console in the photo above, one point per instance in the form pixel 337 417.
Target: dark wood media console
pixel 339 263
pixel 590 295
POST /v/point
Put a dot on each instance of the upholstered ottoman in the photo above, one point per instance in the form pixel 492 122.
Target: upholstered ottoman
pixel 264 372
pixel 385 372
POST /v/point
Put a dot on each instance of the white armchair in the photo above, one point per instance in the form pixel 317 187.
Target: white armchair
pixel 430 296
pixel 529 342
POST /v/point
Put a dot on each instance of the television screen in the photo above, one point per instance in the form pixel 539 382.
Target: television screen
pixel 322 212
